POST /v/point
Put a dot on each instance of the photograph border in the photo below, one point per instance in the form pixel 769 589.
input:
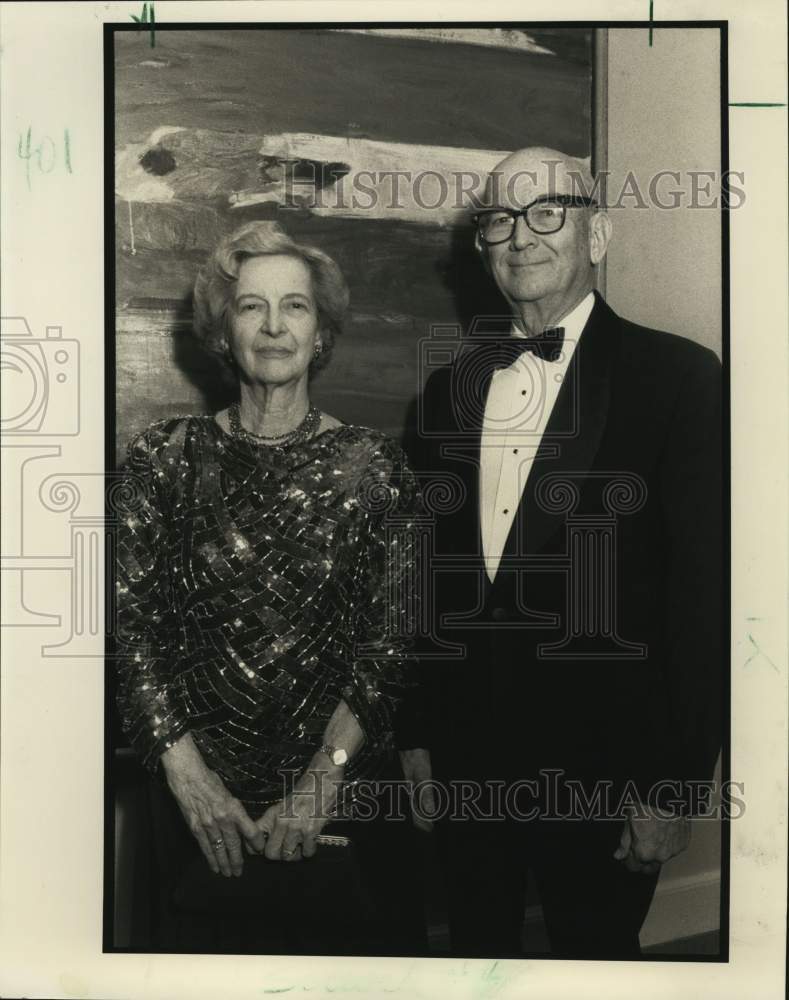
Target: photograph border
pixel 599 122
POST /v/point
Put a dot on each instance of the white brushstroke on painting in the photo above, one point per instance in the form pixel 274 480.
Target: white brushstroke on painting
pixel 163 131
pixel 132 181
pixel 436 184
pixel 499 38
pixel 439 185
pixel 328 176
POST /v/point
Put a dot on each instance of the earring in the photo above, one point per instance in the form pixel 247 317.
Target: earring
pixel 317 351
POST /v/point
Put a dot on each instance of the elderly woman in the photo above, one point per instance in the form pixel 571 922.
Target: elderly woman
pixel 263 580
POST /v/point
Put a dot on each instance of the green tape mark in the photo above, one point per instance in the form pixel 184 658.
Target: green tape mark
pixel 147 18
pixel 755 104
pixel 25 154
pixel 758 651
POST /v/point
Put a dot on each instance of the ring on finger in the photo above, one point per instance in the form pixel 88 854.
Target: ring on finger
pixel 219 842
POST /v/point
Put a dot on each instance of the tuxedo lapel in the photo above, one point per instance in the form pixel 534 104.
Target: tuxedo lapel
pixel 470 382
pixel 460 454
pixel 574 431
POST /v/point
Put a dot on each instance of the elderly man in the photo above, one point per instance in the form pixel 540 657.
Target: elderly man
pixel 580 573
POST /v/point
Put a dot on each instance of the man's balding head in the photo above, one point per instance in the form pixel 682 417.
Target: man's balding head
pixel 529 173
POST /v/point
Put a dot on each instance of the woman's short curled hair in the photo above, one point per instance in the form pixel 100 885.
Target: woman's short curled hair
pixel 216 281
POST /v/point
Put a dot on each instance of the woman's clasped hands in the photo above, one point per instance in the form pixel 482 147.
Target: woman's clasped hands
pixel 287 831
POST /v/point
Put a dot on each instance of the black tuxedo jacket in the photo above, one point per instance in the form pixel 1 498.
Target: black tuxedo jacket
pixel 599 649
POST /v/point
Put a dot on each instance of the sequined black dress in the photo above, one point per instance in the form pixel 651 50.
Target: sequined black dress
pixel 258 587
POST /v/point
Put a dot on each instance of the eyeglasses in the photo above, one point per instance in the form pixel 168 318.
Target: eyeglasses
pixel 543 216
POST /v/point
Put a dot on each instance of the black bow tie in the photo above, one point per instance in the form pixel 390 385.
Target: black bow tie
pixel 547 346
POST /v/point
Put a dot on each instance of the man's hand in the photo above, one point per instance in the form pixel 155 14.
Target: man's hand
pixel 217 820
pixel 648 842
pixel 416 768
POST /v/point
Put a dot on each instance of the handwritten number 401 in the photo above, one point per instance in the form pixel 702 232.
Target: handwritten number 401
pixel 45 154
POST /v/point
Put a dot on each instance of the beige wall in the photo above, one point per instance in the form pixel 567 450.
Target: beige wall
pixel 664 270
pixel 664 266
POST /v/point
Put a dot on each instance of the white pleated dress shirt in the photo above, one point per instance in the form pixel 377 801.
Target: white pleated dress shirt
pixel 517 409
